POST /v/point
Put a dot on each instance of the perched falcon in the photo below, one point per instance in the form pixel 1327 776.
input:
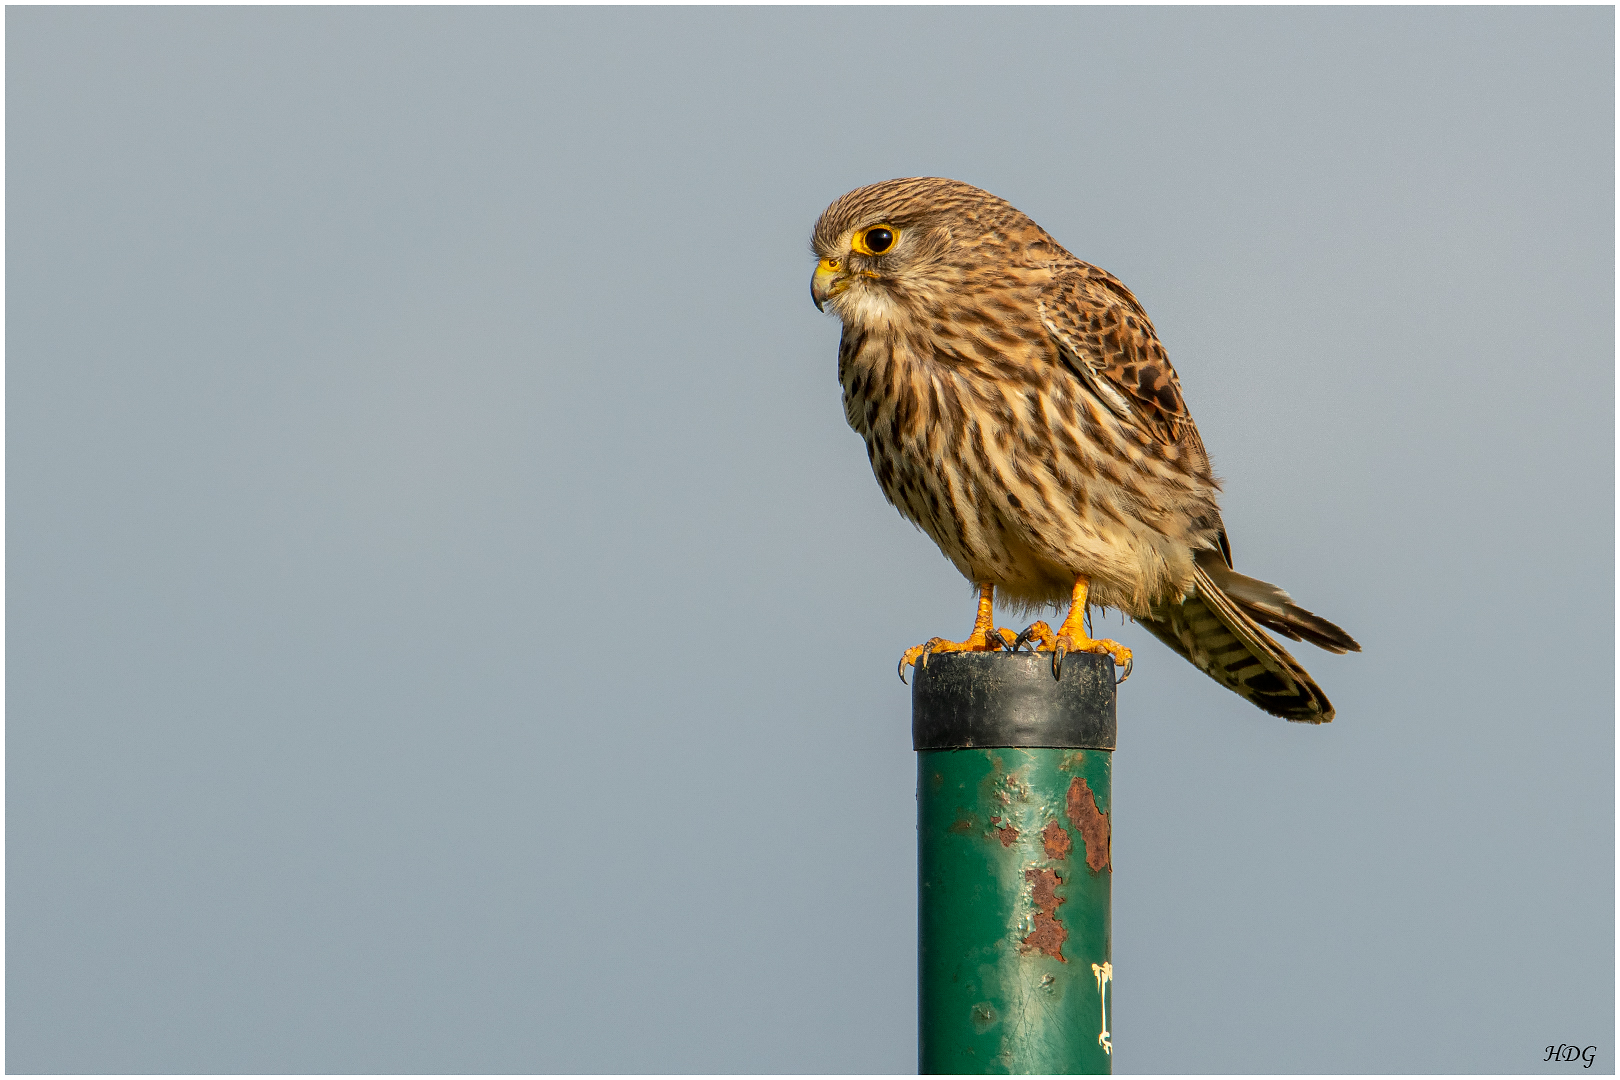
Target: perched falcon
pixel 1018 407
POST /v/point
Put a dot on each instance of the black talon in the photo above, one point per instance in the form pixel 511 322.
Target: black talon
pixel 900 669
pixel 1024 639
pixel 1057 661
pixel 1130 662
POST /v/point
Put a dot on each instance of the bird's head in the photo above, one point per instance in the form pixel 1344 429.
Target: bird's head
pixel 891 252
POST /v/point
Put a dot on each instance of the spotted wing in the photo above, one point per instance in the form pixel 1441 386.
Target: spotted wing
pixel 1106 338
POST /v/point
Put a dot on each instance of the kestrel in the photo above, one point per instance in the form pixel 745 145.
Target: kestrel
pixel 1017 407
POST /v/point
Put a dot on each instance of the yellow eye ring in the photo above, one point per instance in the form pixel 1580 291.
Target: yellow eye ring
pixel 875 240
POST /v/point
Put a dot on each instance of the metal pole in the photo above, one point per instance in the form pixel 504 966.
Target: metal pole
pixel 1013 868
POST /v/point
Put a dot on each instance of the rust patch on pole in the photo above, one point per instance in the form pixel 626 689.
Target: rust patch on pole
pixel 1092 823
pixel 1055 838
pixel 1007 834
pixel 1049 934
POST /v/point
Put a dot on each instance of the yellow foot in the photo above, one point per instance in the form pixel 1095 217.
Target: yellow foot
pixel 985 637
pixel 1074 640
pixel 981 640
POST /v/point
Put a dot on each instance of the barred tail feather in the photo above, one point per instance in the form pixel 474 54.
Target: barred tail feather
pixel 1209 629
pixel 1272 607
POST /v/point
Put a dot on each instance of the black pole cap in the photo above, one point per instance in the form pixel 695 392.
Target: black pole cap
pixel 1012 699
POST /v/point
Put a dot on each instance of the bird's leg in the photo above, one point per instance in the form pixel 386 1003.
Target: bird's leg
pixel 985 637
pixel 1071 636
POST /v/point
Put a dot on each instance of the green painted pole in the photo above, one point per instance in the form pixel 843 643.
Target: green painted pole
pixel 1015 973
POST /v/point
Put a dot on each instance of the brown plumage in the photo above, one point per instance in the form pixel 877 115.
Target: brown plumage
pixel 1017 406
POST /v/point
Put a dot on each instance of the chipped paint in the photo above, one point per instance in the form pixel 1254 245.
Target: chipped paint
pixel 1055 839
pixel 1105 975
pixel 1009 929
pixel 1016 788
pixel 1092 823
pixel 1049 933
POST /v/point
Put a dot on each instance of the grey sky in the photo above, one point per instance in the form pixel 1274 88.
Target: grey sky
pixel 451 628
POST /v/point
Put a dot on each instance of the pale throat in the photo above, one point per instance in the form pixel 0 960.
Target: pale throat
pixel 871 308
pixel 875 307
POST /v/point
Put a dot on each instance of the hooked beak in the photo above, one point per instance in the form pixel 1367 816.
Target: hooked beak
pixel 828 281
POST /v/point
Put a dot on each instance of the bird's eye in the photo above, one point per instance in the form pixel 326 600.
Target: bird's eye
pixel 876 240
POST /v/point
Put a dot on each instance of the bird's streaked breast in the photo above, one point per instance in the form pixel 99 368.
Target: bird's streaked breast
pixel 1015 470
